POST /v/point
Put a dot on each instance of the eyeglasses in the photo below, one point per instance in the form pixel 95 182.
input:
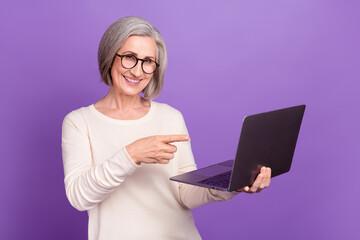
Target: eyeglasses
pixel 129 61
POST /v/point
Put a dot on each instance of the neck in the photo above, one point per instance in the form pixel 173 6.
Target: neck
pixel 121 102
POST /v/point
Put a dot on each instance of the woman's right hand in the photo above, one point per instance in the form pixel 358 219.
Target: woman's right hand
pixel 155 149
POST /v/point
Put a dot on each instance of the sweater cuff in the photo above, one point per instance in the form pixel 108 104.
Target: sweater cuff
pixel 123 161
pixel 222 195
pixel 129 158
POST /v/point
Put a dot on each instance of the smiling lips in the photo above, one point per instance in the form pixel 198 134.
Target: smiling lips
pixel 132 80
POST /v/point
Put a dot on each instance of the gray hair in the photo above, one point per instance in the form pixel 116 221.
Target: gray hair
pixel 113 39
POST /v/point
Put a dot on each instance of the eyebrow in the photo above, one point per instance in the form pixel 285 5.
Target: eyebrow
pixel 135 54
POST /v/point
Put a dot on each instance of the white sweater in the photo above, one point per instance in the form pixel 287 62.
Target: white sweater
pixel 124 200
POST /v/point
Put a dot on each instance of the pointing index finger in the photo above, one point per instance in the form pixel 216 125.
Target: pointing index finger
pixel 175 138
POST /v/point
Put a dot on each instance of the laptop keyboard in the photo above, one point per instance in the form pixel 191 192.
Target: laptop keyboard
pixel 220 180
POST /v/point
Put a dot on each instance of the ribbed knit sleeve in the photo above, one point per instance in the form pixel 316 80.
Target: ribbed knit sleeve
pixel 88 184
pixel 192 196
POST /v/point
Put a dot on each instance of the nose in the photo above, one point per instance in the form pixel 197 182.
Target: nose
pixel 137 70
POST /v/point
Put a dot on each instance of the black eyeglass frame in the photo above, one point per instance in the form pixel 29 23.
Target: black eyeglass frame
pixel 137 60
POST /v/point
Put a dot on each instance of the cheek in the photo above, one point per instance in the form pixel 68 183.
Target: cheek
pixel 118 69
pixel 148 78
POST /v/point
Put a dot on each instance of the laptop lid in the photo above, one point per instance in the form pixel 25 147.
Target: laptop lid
pixel 267 139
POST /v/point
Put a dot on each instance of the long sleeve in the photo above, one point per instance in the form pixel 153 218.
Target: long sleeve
pixel 192 196
pixel 86 183
pixel 122 198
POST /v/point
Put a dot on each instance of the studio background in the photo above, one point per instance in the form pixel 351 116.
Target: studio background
pixel 226 59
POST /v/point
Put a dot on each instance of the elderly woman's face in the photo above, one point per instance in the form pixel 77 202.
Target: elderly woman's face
pixel 132 81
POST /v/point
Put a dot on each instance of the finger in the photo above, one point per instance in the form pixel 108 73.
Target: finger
pixel 163 161
pixel 174 138
pixel 257 183
pixel 151 160
pixel 244 189
pixel 165 156
pixel 268 179
pixel 169 148
pixel 264 172
pixel 156 160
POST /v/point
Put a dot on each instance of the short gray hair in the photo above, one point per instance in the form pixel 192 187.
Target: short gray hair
pixel 113 39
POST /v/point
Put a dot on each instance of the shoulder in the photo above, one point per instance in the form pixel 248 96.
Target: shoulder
pixel 78 116
pixel 166 110
pixel 169 116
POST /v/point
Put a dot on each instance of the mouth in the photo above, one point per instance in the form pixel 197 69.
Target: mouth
pixel 132 81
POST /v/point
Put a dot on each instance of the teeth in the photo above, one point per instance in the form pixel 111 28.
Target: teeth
pixel 131 80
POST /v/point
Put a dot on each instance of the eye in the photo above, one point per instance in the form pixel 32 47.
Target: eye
pixel 129 56
pixel 147 60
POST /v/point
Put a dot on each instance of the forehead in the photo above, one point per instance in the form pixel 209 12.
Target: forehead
pixel 143 46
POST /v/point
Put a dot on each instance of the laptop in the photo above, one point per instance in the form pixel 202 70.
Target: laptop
pixel 267 139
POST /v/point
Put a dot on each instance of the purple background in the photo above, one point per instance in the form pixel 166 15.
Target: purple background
pixel 227 59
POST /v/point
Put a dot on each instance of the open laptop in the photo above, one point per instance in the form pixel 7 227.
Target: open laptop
pixel 267 139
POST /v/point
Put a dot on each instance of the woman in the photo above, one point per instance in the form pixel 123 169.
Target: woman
pixel 120 152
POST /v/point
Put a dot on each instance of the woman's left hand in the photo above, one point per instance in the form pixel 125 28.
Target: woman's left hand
pixel 262 181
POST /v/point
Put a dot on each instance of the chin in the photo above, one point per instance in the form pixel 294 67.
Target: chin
pixel 132 92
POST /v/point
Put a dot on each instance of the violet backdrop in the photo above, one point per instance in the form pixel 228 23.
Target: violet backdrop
pixel 227 59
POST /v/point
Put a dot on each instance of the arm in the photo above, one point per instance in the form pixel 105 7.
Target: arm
pixel 88 184
pixel 193 196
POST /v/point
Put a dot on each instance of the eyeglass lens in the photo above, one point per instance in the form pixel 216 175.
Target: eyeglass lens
pixel 129 61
